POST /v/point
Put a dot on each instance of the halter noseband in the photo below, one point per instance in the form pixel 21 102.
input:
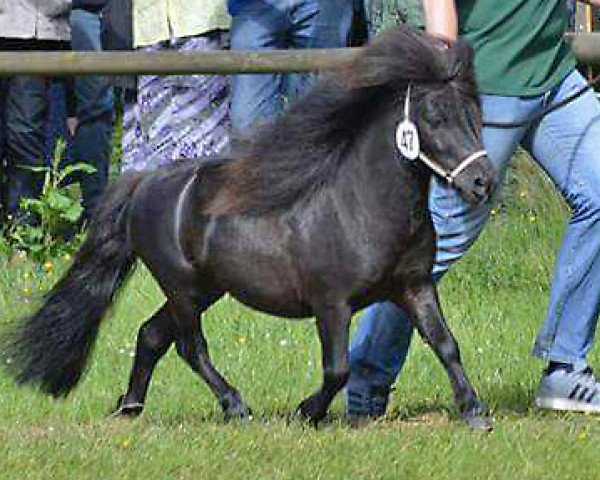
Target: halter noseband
pixel 451 176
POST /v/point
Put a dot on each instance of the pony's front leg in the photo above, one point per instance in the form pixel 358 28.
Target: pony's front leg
pixel 421 302
pixel 333 324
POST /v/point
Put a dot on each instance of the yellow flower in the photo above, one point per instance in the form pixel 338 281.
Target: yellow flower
pixel 48 267
pixel 241 340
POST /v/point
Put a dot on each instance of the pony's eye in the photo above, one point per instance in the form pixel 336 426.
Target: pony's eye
pixel 433 117
pixel 432 114
pixel 436 120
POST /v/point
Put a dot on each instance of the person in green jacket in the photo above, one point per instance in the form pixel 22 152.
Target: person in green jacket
pixel 522 64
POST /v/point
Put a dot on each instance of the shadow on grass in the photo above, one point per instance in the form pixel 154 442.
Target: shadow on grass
pixel 504 401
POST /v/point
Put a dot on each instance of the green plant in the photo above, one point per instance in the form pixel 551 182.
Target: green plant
pixel 56 214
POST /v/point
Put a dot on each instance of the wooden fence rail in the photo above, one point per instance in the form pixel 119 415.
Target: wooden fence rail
pixel 585 46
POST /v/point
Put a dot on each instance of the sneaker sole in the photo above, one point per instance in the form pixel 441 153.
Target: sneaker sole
pixel 566 405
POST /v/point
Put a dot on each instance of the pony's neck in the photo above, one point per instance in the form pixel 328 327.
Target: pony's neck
pixel 382 177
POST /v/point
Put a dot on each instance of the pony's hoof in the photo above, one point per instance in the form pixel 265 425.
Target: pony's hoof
pixel 127 410
pixel 478 417
pixel 310 412
pixel 240 412
pixel 234 407
pixel 483 423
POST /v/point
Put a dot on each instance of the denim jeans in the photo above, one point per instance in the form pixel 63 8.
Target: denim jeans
pixel 566 144
pixel 281 24
pixel 92 142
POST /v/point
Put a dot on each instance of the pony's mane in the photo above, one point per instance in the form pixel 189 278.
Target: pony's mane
pixel 278 163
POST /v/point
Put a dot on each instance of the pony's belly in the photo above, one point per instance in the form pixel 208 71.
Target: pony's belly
pixel 273 305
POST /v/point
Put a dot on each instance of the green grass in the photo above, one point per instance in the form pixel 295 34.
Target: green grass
pixel 494 300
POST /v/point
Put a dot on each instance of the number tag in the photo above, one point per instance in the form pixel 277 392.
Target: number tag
pixel 407 139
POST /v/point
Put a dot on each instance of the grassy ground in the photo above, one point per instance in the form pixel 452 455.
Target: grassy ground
pixel 494 301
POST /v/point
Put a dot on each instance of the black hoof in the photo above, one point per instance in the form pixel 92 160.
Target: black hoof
pixel 234 408
pixel 127 410
pixel 310 411
pixel 478 417
pixel 240 412
pixel 482 423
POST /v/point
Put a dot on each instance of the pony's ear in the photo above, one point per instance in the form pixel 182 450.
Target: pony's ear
pixel 460 61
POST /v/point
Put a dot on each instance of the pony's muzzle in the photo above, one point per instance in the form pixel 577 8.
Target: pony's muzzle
pixel 477 182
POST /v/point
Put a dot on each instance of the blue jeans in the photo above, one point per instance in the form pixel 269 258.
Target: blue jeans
pixel 566 144
pixel 93 137
pixel 281 24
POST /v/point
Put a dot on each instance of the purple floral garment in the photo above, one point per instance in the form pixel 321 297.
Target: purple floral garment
pixel 179 116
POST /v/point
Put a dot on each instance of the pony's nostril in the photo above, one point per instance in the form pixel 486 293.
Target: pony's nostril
pixel 482 187
pixel 484 183
pixel 481 184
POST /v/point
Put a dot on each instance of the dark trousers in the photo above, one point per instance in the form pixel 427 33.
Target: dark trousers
pixel 25 110
pixel 23 113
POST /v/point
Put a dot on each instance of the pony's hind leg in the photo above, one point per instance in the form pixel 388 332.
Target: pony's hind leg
pixel 333 324
pixel 192 347
pixel 154 339
pixel 421 302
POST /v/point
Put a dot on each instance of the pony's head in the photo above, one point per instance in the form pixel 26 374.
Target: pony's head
pixel 450 123
pixel 435 88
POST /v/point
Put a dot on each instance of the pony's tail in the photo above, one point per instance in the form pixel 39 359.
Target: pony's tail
pixel 51 348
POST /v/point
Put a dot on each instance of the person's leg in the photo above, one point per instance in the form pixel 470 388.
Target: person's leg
pixel 94 96
pixel 199 118
pixel 316 24
pixel 259 25
pixel 3 86
pixel 56 122
pixel 380 345
pixel 25 116
pixel 566 143
pixel 133 155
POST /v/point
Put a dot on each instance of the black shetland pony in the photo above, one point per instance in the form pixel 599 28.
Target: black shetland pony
pixel 317 214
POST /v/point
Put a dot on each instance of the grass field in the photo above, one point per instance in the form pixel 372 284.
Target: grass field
pixel 494 300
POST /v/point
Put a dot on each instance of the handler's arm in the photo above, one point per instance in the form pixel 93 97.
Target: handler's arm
pixel 441 20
